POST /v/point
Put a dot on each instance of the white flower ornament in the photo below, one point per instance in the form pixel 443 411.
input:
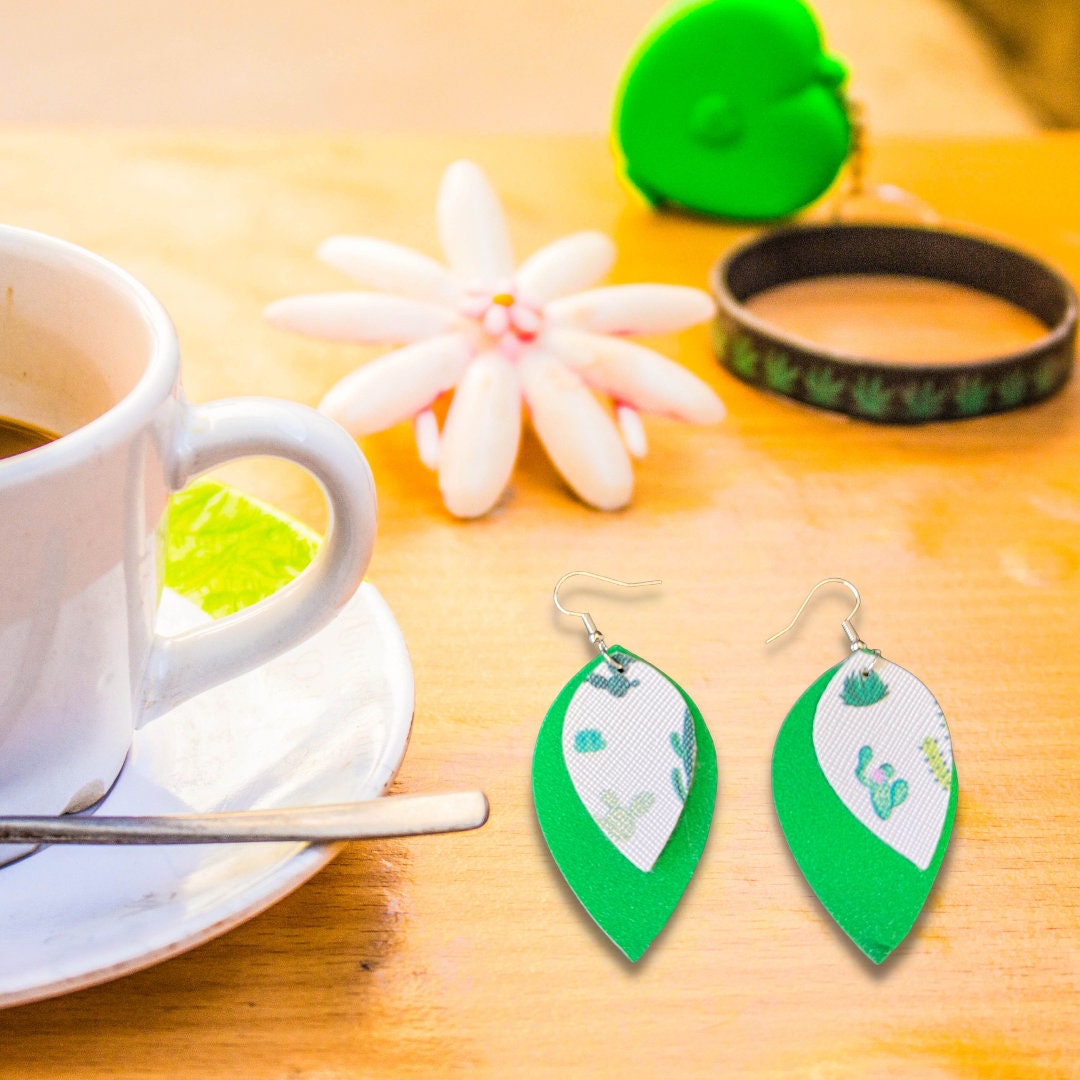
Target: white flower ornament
pixel 495 336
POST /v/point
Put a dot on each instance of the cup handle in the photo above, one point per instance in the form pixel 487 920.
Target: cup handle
pixel 208 435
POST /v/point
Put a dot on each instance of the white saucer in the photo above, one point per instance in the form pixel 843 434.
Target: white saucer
pixel 327 722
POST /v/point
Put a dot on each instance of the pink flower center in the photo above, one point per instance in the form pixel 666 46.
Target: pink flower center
pixel 508 320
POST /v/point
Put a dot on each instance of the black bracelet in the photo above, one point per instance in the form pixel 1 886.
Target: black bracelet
pixel 893 393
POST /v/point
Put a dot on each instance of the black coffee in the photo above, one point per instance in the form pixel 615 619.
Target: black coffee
pixel 17 437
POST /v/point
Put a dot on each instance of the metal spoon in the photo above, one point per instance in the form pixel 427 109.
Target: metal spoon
pixel 396 815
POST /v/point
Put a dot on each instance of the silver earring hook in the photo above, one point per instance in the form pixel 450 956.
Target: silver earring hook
pixel 595 637
pixel 852 635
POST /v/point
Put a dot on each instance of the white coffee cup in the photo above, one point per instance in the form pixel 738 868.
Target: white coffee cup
pixel 87 352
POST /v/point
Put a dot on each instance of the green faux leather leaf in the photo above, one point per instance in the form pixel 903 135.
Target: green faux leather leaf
pixel 873 892
pixel 631 906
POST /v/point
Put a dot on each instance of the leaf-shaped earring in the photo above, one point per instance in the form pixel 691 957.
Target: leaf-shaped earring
pixel 624 778
pixel 865 789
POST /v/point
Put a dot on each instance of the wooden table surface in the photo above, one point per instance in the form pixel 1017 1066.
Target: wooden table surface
pixel 467 954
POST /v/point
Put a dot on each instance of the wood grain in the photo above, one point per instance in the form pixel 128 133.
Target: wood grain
pixel 466 954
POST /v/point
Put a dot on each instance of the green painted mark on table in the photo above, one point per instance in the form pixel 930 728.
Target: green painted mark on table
pixel 226 551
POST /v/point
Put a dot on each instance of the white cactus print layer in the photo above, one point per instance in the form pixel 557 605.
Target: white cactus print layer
pixel 874 758
pixel 618 745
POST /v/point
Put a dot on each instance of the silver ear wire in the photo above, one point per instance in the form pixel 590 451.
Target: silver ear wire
pixel 595 637
pixel 857 642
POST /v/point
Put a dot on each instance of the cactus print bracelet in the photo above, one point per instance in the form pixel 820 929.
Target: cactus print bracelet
pixel 887 391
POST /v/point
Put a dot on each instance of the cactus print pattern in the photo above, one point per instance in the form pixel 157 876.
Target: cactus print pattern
pixel 616 684
pixel 936 760
pixel 683 745
pixel 864 688
pixel 869 735
pixel 589 741
pixel 620 822
pixel 888 396
pixel 618 734
pixel 885 792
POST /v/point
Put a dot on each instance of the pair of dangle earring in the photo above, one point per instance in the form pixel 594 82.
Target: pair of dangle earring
pixel 625 774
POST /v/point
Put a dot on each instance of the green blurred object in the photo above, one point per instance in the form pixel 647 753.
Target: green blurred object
pixel 732 108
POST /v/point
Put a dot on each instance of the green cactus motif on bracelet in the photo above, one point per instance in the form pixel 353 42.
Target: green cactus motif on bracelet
pixel 924 401
pixel 780 373
pixel 971 396
pixel 744 357
pixel 823 388
pixel 1012 388
pixel 1046 377
pixel 872 396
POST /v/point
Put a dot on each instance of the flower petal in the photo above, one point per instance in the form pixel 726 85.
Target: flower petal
pixel 496 321
pixel 426 432
pixel 567 266
pixel 480 437
pixel 578 435
pixel 639 376
pixel 378 264
pixel 362 318
pixel 632 430
pixel 633 309
pixel 472 228
pixel 396 386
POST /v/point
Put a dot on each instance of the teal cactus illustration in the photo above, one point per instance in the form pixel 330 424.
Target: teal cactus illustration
pixel 971 396
pixel 684 747
pixel 617 684
pixel 863 688
pixel 936 760
pixel 923 401
pixel 885 793
pixel 823 387
pixel 1011 388
pixel 743 356
pixel 872 396
pixel 620 821
pixel 1046 376
pixel 589 741
pixel 780 373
